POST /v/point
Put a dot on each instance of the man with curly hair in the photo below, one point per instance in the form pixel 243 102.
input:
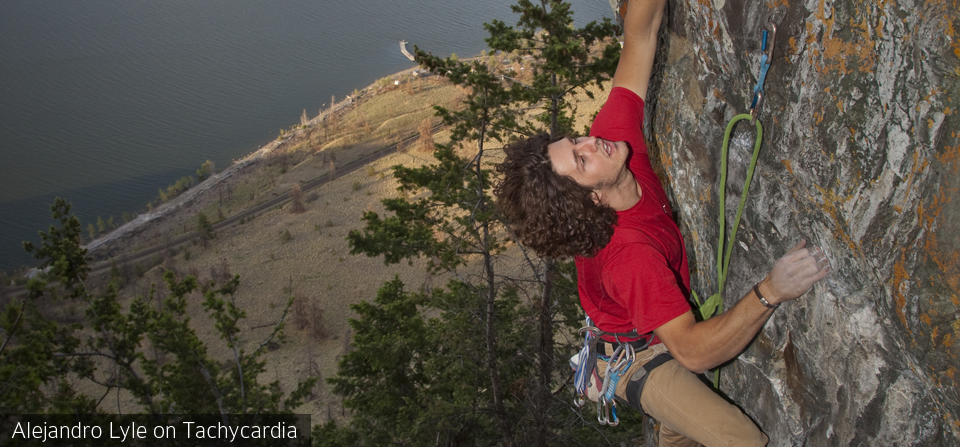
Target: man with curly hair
pixel 598 200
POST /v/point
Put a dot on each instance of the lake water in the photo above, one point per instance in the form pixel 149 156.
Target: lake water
pixel 103 102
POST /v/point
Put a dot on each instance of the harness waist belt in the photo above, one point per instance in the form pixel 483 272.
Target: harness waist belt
pixel 638 345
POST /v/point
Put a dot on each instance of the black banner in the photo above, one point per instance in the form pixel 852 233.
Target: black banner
pixel 155 430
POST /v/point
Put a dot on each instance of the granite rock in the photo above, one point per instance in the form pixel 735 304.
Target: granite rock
pixel 860 156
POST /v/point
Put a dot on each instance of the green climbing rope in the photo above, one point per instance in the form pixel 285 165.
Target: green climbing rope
pixel 714 305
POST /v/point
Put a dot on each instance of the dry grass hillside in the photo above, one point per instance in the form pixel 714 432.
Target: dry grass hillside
pixel 279 253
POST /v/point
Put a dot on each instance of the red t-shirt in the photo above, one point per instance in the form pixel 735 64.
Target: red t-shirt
pixel 640 279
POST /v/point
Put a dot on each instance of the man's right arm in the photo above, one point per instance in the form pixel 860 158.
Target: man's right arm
pixel 699 346
pixel 639 45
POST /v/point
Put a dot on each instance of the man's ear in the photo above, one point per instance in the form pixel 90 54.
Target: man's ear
pixel 597 197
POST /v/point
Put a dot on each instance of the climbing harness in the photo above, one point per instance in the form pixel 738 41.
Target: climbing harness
pixel 714 304
pixel 587 381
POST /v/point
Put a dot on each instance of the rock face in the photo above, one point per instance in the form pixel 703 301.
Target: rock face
pixel 860 156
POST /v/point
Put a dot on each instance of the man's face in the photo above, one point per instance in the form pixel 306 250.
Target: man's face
pixel 592 162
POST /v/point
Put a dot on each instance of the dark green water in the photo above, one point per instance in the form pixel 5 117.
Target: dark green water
pixel 104 102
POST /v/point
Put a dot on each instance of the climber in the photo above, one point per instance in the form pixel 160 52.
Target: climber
pixel 597 199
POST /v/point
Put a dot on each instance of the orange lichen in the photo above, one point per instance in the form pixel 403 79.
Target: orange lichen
pixel 944 257
pixel 788 165
pixel 950 31
pixel 829 207
pixel 900 276
pixel 666 160
pixel 811 36
pixel 918 166
pixel 838 52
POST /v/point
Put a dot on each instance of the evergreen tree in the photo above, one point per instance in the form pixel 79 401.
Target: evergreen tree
pixel 483 386
pixel 204 228
pixel 454 220
pixel 389 346
pixel 40 359
pixel 566 60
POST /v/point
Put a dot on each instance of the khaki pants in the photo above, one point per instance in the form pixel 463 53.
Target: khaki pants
pixel 690 413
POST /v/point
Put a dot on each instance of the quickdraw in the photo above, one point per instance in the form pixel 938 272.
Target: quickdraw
pixel 584 363
pixel 765 59
pixel 587 381
pixel 617 366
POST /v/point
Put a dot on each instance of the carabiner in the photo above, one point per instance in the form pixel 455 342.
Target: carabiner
pixel 588 329
pixel 601 411
pixel 612 419
pixel 765 59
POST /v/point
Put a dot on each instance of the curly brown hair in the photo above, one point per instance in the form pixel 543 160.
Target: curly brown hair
pixel 551 213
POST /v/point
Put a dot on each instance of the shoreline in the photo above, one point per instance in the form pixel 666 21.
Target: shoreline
pixel 173 206
pixel 147 216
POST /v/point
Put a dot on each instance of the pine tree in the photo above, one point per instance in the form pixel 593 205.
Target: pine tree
pixel 455 220
pixel 204 228
pixel 39 358
pixel 567 60
pixel 483 323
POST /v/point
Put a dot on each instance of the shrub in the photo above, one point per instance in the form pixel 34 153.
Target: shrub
pixel 307 315
pixel 204 228
pixel 425 143
pixel 285 236
pixel 220 273
pixel 296 197
pixel 356 186
pixel 206 170
pixel 174 190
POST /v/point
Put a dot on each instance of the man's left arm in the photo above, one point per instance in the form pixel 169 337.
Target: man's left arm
pixel 699 346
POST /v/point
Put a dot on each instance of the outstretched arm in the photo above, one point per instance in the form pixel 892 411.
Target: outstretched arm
pixel 641 24
pixel 699 346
